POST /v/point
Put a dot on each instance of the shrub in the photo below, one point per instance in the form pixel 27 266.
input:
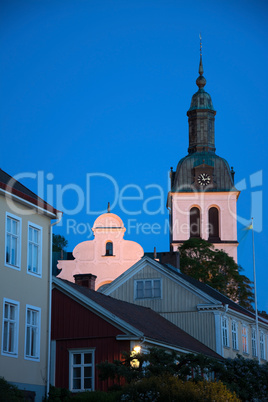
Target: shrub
pixel 96 396
pixel 9 392
pixel 168 388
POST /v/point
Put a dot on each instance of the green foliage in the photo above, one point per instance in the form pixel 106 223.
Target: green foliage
pixel 167 388
pixel 201 261
pixel 64 395
pixel 96 396
pixel 58 394
pixel 154 363
pixel 120 371
pixel 246 377
pixel 59 242
pixel 9 393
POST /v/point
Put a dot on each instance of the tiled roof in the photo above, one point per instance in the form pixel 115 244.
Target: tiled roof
pixel 13 186
pixel 150 323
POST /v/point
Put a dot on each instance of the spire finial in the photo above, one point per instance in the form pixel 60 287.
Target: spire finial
pixel 108 208
pixel 201 81
pixel 201 71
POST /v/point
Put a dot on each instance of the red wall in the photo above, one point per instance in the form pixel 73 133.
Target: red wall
pixel 74 326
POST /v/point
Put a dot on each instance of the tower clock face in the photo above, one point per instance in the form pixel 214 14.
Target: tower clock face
pixel 203 179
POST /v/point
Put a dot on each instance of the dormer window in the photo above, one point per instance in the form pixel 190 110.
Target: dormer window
pixel 109 248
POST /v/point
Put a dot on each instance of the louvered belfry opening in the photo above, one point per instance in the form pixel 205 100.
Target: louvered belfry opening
pixel 213 219
pixel 194 222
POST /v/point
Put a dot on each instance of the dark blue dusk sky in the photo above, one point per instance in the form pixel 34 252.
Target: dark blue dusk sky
pixel 103 87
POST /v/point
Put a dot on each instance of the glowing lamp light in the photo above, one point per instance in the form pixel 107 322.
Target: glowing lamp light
pixel 135 362
pixel 137 349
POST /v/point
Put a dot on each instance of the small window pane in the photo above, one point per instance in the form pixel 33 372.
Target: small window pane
pixel 87 383
pixel 109 248
pixel 34 317
pixel 12 312
pixel 139 289
pixel 35 239
pixel 88 358
pixel 5 336
pixel 28 341
pixel 6 310
pixel 77 372
pixel 157 289
pixel 28 316
pixel 77 383
pixel 11 337
pixel 77 358
pixel 14 227
pixel 88 372
pixel 148 289
pixel 8 224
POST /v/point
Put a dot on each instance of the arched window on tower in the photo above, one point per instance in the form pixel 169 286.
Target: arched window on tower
pixel 194 222
pixel 109 248
pixel 213 220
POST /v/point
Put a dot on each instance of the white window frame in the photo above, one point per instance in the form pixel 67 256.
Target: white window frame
pixel 33 327
pixel 72 352
pixel 244 336
pixel 39 245
pixel 254 341
pixel 16 304
pixel 262 345
pixel 17 264
pixel 225 331
pixel 235 335
pixel 152 287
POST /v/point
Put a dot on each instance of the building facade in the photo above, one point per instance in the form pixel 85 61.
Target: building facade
pixel 107 256
pixel 89 328
pixel 25 241
pixel 195 307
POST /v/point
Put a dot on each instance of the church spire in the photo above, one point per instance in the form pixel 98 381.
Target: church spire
pixel 201 115
pixel 201 71
pixel 201 81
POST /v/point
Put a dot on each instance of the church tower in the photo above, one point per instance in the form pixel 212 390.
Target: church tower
pixel 202 200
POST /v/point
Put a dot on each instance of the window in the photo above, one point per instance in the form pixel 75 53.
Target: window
pixel 234 335
pixel 244 339
pixel 262 345
pixel 13 228
pixel 109 248
pixel 34 249
pixel 10 328
pixel 225 332
pixel 81 370
pixel 253 342
pixel 148 289
pixel 213 219
pixel 32 336
pixel 194 222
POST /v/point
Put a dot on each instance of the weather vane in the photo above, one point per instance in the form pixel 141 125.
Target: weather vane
pixel 200 37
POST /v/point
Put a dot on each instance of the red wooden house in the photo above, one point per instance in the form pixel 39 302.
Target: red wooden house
pixel 89 328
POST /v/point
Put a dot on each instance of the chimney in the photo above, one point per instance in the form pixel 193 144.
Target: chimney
pixel 85 280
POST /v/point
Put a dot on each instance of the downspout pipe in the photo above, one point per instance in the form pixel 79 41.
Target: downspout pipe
pixel 59 217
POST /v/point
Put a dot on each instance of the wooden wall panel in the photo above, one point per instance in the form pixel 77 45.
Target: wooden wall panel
pixel 175 298
pixel 75 327
pixel 200 325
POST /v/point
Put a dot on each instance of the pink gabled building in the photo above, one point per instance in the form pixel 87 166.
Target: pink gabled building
pixel 107 256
